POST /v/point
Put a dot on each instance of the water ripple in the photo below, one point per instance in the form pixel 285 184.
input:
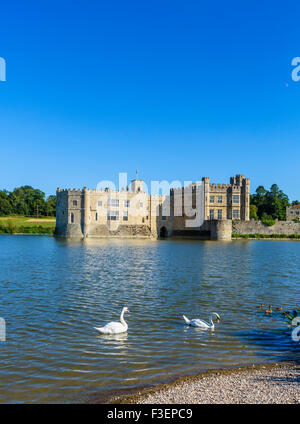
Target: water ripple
pixel 53 292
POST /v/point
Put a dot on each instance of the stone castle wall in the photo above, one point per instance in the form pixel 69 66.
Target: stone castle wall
pixel 257 227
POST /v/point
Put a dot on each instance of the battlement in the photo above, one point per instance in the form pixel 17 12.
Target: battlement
pixel 214 186
pixel 68 190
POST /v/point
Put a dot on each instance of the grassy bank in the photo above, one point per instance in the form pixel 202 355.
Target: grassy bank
pixel 266 236
pixel 27 225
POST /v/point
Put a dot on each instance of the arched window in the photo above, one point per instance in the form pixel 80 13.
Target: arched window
pixel 72 218
pixel 96 216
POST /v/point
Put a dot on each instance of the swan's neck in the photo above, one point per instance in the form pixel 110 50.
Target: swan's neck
pixel 211 321
pixel 122 318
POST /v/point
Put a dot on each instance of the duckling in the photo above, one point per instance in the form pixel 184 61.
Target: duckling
pixel 278 309
pixel 261 306
pixel 269 311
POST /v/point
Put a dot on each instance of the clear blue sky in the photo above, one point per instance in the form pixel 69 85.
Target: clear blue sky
pixel 177 89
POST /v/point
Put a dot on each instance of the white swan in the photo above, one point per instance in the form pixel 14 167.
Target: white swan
pixel 200 323
pixel 115 327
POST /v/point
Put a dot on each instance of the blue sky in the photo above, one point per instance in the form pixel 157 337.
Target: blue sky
pixel 177 89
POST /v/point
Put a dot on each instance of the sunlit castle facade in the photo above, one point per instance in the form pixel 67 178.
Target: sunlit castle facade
pixel 201 210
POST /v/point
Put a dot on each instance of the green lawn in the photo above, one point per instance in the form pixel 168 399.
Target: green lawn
pixel 26 225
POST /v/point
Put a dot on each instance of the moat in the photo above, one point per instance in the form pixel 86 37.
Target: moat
pixel 54 291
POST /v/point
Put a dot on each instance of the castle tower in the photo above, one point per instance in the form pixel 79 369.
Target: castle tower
pixel 137 186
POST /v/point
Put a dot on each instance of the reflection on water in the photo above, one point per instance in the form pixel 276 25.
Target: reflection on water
pixel 53 292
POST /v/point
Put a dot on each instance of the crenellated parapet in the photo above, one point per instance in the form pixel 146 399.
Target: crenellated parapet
pixel 219 187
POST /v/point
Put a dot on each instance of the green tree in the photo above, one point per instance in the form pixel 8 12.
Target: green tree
pixel 259 200
pixel 253 212
pixel 271 204
pixel 26 200
pixel 5 206
pixel 277 202
pixel 51 206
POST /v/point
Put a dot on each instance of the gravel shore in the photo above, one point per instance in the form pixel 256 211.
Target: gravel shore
pixel 262 384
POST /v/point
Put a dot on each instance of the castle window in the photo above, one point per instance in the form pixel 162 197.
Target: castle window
pixel 100 203
pixel 163 218
pixel 74 202
pixel 212 199
pixel 219 213
pixel 72 218
pixel 126 203
pixel 220 199
pixel 96 216
pixel 125 216
pixel 211 214
pixel 113 215
pixel 113 202
pixel 143 220
pixel 235 214
pixel 235 199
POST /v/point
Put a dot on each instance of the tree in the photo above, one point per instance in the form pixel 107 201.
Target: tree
pixel 253 212
pixel 277 202
pixel 51 206
pixel 259 200
pixel 5 206
pixel 25 200
pixel 271 204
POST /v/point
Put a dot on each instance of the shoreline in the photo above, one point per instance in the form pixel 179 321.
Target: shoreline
pixel 266 238
pixel 146 238
pixel 260 383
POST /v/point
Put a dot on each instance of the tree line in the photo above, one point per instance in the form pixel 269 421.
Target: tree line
pixel 269 204
pixel 27 201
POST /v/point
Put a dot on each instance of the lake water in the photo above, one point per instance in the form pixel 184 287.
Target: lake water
pixel 53 292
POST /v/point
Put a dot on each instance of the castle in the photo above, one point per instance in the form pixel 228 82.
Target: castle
pixel 200 210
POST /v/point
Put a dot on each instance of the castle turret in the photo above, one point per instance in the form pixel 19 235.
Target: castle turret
pixel 137 186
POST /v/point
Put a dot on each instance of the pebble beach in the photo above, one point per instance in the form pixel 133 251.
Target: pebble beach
pixel 263 384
